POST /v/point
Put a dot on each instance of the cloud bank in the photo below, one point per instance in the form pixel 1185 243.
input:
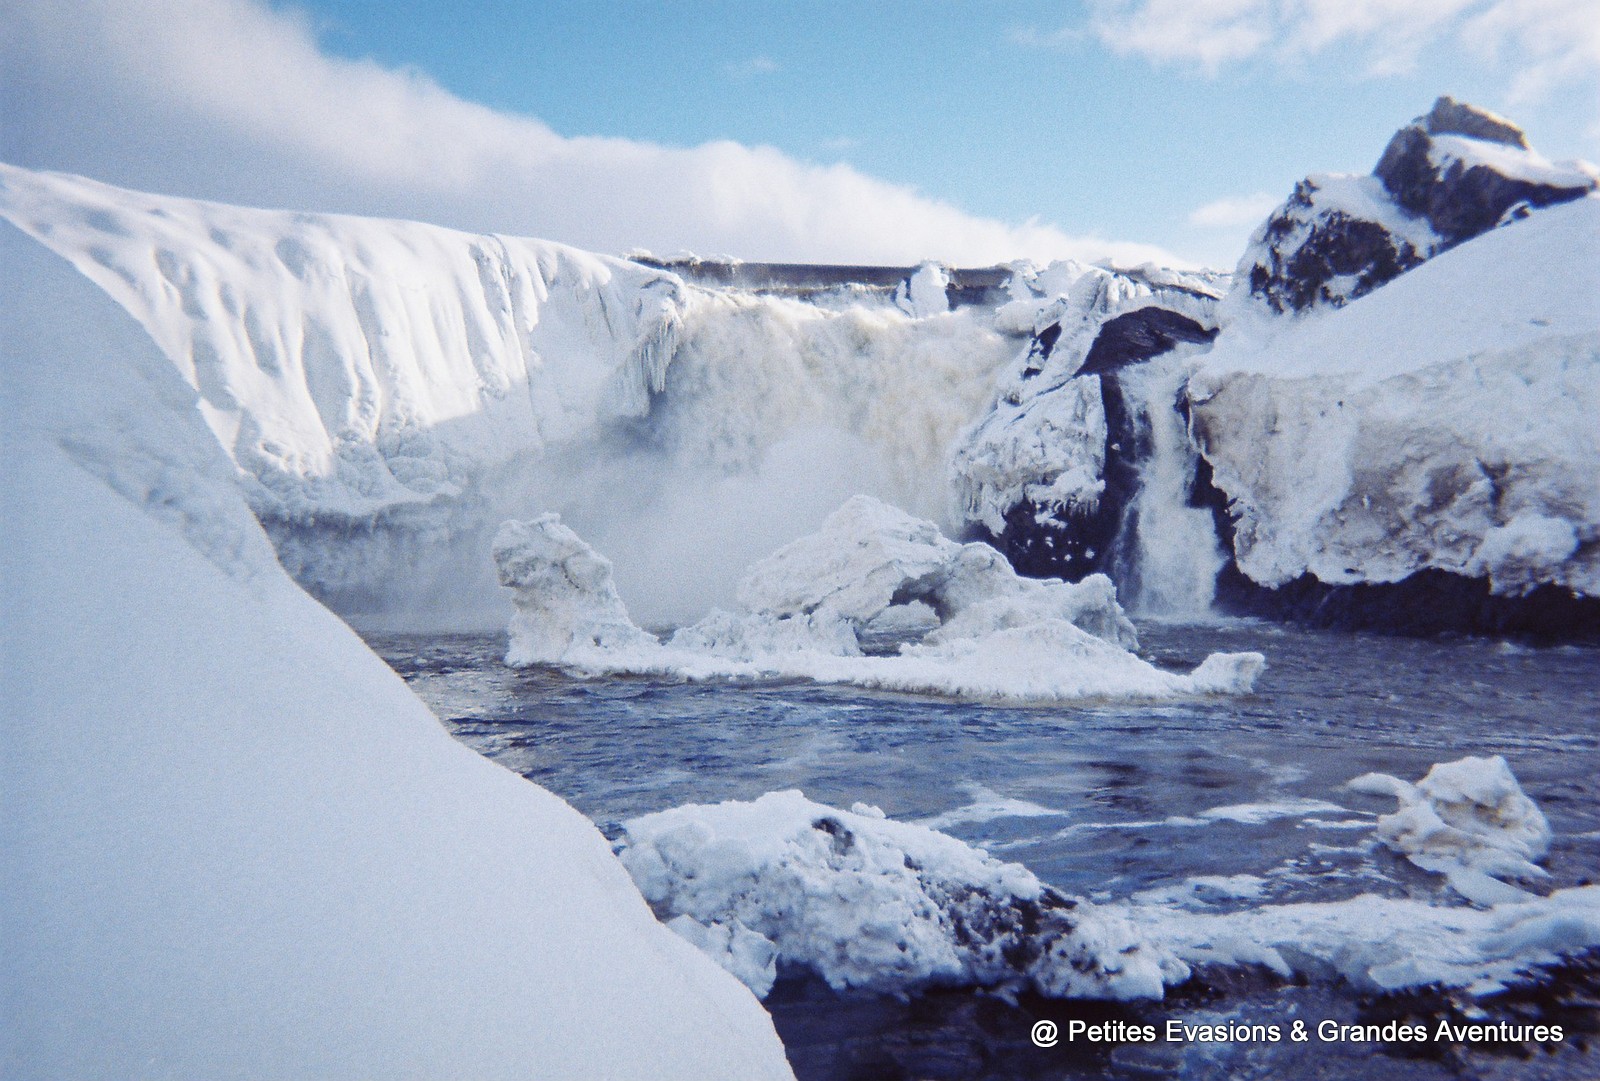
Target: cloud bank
pixel 231 100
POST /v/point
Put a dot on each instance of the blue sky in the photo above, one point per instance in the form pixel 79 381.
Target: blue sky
pixel 1008 110
pixel 862 132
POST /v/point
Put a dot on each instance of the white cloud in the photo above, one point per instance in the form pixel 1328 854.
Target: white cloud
pixel 1543 45
pixel 228 99
pixel 1234 211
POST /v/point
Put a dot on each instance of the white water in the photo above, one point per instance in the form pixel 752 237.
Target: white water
pixel 1177 553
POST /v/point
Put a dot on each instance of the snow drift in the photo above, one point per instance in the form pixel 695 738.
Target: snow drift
pixel 391 391
pixel 946 618
pixel 234 844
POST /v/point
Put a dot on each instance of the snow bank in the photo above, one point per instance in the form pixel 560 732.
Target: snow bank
pixel 1444 421
pixel 234 844
pixel 390 392
pixel 964 622
pixel 873 904
pixel 1468 820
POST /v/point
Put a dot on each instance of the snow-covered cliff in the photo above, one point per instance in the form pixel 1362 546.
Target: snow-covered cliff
pixel 391 391
pixel 1446 421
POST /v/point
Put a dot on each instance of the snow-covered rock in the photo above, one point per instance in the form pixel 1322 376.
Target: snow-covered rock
pixel 873 904
pixel 1046 473
pixel 1445 422
pixel 233 843
pixel 963 622
pixel 1446 177
pixel 1468 820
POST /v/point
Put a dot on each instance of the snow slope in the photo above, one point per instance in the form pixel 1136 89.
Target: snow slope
pixel 1444 421
pixel 391 392
pixel 233 843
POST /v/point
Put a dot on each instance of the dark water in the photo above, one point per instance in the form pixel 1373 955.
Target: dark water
pixel 1101 783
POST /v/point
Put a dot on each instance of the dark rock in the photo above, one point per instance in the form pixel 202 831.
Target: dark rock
pixel 1139 335
pixel 1460 200
pixel 1429 602
pixel 1292 274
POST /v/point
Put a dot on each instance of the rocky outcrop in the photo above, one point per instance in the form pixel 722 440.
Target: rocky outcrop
pixel 1446 177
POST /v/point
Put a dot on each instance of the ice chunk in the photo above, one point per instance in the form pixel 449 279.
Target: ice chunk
pixel 924 293
pixel 563 592
pixel 875 904
pixel 1468 820
pixel 966 624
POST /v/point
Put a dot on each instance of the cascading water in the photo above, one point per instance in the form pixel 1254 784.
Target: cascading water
pixel 1172 556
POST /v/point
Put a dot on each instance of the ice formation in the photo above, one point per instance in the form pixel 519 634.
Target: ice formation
pixel 1445 421
pixel 390 392
pixel 873 904
pixel 1468 820
pixel 234 844
pixel 962 621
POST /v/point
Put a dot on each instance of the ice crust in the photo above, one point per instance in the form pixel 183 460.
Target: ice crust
pixel 969 625
pixel 233 843
pixel 865 902
pixel 1444 421
pixel 872 904
pixel 1468 820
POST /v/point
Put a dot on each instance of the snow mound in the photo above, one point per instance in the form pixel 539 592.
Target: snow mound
pixel 1468 820
pixel 965 624
pixel 233 843
pixel 871 904
pixel 1445 421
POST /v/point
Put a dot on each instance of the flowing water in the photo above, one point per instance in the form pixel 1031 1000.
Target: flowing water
pixel 1102 800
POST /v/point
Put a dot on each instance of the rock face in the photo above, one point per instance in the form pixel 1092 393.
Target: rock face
pixel 1048 475
pixel 1464 169
pixel 1446 177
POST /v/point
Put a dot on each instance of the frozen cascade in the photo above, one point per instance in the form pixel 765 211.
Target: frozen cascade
pixel 1176 552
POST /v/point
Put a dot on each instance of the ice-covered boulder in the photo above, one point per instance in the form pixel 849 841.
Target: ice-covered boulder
pixel 1468 820
pixel 941 618
pixel 870 562
pixel 873 904
pixel 1446 177
pixel 565 598
pixel 1443 424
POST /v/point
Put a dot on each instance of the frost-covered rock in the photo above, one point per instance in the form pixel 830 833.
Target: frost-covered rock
pixel 563 592
pixel 959 620
pixel 878 905
pixel 1446 177
pixel 1047 473
pixel 1444 423
pixel 1468 820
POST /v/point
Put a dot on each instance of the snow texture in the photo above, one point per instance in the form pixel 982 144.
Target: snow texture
pixel 390 392
pixel 1445 421
pixel 872 904
pixel 965 623
pixel 233 843
pixel 1468 820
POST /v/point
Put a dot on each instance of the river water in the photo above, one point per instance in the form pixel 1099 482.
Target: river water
pixel 1103 800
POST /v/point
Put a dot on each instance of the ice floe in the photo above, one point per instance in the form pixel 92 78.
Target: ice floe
pixel 964 622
